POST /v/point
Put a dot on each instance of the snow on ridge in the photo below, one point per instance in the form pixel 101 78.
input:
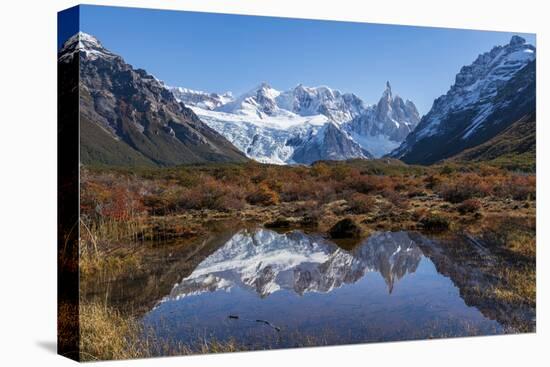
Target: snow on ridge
pixel 84 43
pixel 268 125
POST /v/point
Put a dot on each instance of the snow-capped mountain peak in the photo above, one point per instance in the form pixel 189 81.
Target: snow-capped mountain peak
pixel 259 101
pixel 197 98
pixel 383 126
pixel 305 124
pixel 322 100
pixel 491 69
pixel 84 43
pixel 476 102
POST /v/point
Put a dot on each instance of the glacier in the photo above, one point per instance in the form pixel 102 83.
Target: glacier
pixel 304 124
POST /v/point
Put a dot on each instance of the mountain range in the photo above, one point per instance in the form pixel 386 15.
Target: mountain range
pixel 304 124
pixel 129 117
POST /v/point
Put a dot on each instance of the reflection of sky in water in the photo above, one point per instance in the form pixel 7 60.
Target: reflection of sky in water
pixel 384 289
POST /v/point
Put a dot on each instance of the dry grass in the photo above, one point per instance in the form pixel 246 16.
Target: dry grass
pixel 522 243
pixel 519 286
pixel 107 334
pixel 518 245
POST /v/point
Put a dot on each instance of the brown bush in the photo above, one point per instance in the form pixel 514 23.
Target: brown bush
pixel 469 206
pixel 361 203
pixel 435 222
pixel 395 198
pixel 320 170
pixel 518 187
pixel 214 195
pixel 432 181
pixel 456 189
pixel 210 194
pixel 263 195
pixel 367 184
pixel 111 199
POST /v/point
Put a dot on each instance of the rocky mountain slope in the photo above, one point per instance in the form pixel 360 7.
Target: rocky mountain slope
pixel 515 147
pixel 128 117
pixel 496 90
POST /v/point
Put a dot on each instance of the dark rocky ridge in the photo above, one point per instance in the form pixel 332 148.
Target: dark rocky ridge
pixel 489 95
pixel 517 142
pixel 128 117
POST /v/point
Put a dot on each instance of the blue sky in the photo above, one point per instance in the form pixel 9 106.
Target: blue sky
pixel 219 52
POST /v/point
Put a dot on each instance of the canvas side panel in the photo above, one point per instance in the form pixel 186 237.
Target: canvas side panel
pixel 68 190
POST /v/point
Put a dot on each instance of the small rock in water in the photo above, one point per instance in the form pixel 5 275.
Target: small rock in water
pixel 346 228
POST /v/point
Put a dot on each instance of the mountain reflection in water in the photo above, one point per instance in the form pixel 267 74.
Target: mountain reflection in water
pixel 391 286
pixel 266 261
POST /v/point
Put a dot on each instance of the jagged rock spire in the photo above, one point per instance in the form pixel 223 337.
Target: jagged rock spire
pixel 387 95
pixel 517 40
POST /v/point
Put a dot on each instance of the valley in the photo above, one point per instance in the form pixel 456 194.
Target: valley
pixel 162 226
pixel 234 214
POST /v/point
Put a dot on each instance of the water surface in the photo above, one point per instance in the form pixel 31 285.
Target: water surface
pixel 265 289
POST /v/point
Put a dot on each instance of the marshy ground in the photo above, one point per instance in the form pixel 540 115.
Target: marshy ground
pixel 125 209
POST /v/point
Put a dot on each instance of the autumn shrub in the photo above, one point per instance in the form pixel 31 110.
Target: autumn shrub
pixel 214 195
pixel 419 213
pixel 310 189
pixel 210 194
pixel 395 198
pixel 401 186
pixel 432 181
pixel 263 195
pixel 454 193
pixel 435 222
pixel 296 191
pixel 469 206
pixel 112 200
pixel 463 187
pixel 361 203
pixel 156 203
pixel 367 184
pixel 310 212
pixel 234 198
pixel 518 187
pixel 320 170
pixel 341 172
